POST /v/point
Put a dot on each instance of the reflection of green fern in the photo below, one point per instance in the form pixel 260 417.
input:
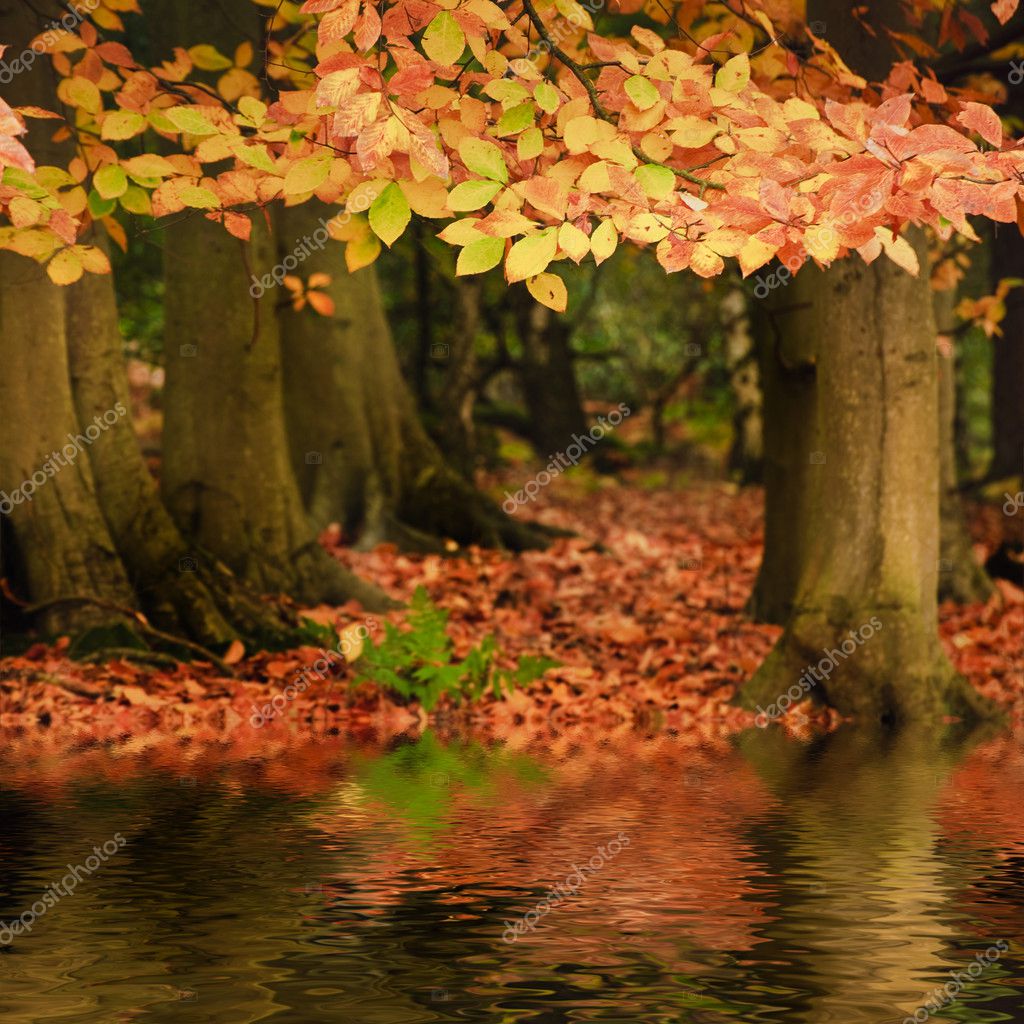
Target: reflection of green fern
pixel 419 664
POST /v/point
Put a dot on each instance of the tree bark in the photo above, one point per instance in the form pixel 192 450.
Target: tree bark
pixel 1008 361
pixel 961 578
pixel 873 552
pixel 182 591
pixel 226 476
pixel 872 558
pixel 362 454
pixel 63 544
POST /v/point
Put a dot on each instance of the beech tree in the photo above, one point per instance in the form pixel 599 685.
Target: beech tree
pixel 722 132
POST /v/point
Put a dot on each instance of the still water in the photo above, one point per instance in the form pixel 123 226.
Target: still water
pixel 697 881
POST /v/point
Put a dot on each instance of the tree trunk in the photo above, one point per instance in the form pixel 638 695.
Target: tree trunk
pixel 869 576
pixel 1008 361
pixel 746 456
pixel 961 578
pixel 64 546
pixel 227 478
pixel 547 376
pixel 787 343
pixel 363 456
pixel 869 579
pixel 182 591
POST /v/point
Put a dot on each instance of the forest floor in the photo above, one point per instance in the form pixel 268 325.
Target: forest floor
pixel 643 610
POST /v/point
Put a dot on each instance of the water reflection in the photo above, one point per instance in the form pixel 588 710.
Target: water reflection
pixel 840 881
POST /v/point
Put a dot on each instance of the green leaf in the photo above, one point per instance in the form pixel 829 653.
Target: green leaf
pixel 641 92
pixel 110 181
pixel 390 214
pixel 530 144
pixel 190 120
pixel 657 182
pixel 546 96
pixel 517 119
pixel 480 256
pixel 471 195
pixel 306 175
pixel 443 40
pixel 100 207
pixel 199 198
pixel 484 158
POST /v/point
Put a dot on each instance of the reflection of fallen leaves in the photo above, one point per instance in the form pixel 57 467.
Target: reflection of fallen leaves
pixel 644 611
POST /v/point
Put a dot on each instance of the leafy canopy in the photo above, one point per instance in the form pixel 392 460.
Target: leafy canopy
pixel 529 136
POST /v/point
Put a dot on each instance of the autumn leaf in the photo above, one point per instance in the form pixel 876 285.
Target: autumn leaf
pixel 549 290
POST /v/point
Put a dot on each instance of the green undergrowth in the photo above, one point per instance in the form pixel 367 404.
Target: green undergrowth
pixel 418 662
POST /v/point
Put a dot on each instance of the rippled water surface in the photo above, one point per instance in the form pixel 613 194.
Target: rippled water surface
pixel 762 881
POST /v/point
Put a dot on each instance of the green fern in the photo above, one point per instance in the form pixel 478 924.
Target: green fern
pixel 418 663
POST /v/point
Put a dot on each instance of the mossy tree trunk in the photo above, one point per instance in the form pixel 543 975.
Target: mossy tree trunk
pixel 873 526
pixel 869 576
pixel 363 457
pixel 64 548
pixel 227 477
pixel 182 591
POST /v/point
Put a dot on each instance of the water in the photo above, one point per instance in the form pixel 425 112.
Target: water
pixel 759 881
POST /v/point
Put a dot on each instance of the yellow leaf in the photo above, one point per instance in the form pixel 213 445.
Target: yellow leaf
pixel 530 256
pixel 549 290
pixel 604 241
pixel 65 267
pixel 573 242
pixel 734 75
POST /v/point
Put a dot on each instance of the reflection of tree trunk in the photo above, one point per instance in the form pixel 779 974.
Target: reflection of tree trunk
pixel 857 806
pixel 787 340
pixel 357 442
pixel 1008 361
pixel 64 545
pixel 746 456
pixel 547 376
pixel 961 578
